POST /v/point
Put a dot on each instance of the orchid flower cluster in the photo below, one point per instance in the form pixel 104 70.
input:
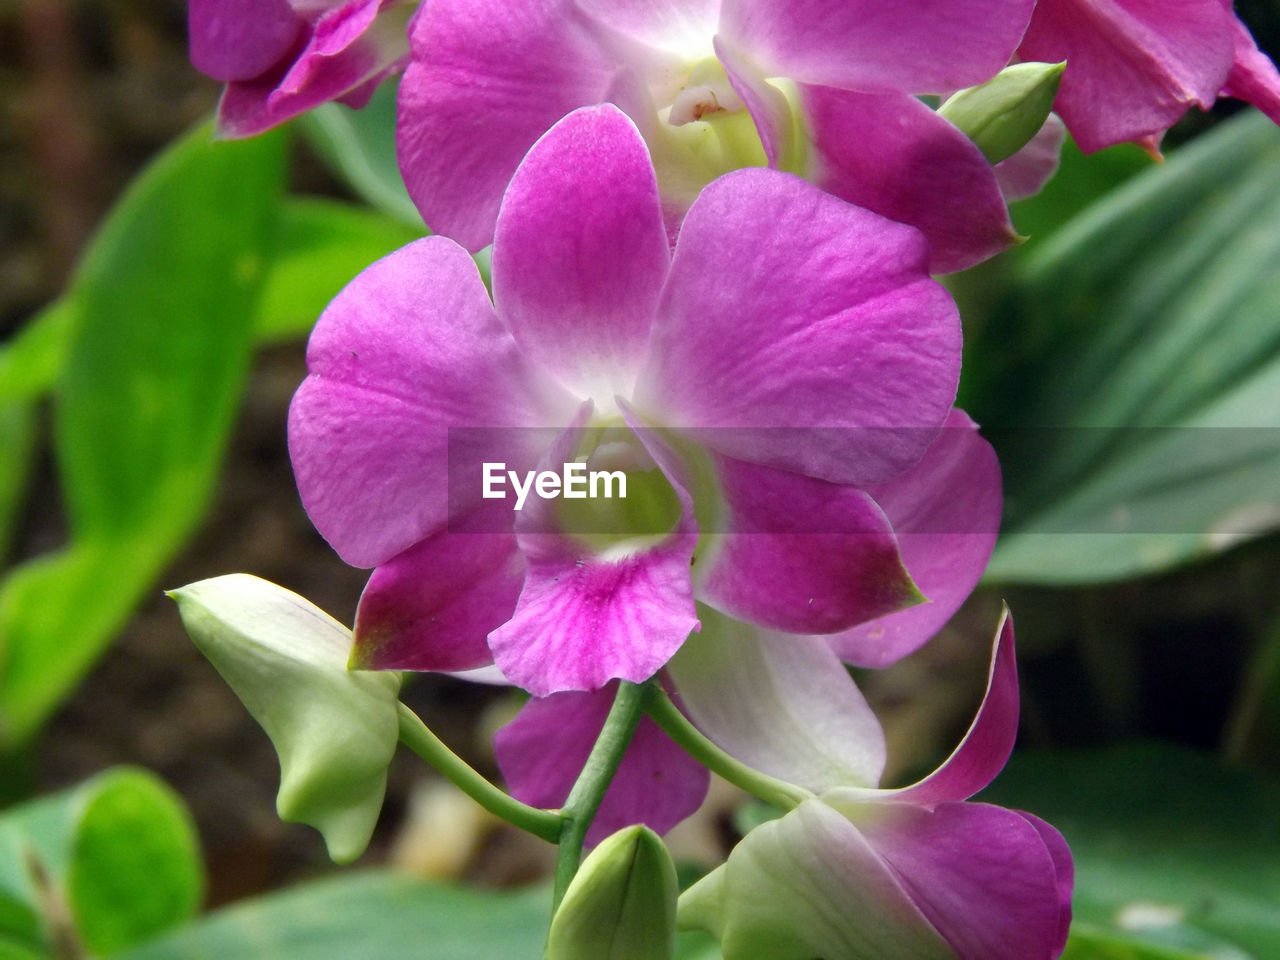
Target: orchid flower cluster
pixel 715 226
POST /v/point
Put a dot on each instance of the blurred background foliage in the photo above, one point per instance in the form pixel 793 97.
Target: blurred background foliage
pixel 1125 362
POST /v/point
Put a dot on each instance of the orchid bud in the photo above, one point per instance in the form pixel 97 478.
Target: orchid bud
pixel 1003 114
pixel 334 730
pixel 621 904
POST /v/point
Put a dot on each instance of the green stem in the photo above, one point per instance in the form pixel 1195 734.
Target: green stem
pixel 415 735
pixel 597 773
pixel 676 725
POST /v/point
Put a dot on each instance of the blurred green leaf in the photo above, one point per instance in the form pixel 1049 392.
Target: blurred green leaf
pixel 160 341
pixel 360 147
pixel 1133 375
pixel 1171 849
pixel 17 448
pixel 119 851
pixel 321 245
pixel 30 362
pixel 366 916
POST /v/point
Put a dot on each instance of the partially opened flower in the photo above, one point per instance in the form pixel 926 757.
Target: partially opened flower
pixel 821 89
pixel 279 58
pixel 790 352
pixel 1133 69
pixel 865 873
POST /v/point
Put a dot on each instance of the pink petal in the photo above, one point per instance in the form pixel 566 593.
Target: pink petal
pixel 584 619
pixel 911 46
pixel 578 262
pixel 890 153
pixel 946 513
pixel 1133 66
pixel 983 875
pixel 1065 873
pixel 240 39
pixel 432 607
pixel 487 79
pixel 684 28
pixel 985 747
pixel 1253 75
pixel 409 349
pixel 1026 172
pixel 810 885
pixel 802 555
pixel 251 106
pixel 334 32
pixel 543 749
pixel 787 308
pixel 769 108
pixel 781 704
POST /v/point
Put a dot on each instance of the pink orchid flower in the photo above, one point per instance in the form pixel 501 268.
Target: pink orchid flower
pixel 788 356
pixel 863 872
pixel 945 511
pixel 1134 67
pixel 280 58
pixel 819 88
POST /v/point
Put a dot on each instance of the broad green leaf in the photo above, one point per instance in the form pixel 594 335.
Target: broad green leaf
pixel 119 852
pixel 135 867
pixel 1133 375
pixel 366 916
pixel 1171 849
pixel 360 146
pixel 321 245
pixel 30 362
pixel 161 331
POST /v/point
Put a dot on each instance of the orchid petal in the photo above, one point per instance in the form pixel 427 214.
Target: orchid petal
pixel 1253 77
pixel 1133 66
pixel 982 875
pixel 983 751
pixel 334 33
pixel 809 885
pixel 946 513
pixel 769 108
pixel 892 154
pixel 912 46
pixel 788 308
pixel 542 750
pixel 684 29
pixel 579 262
pixel 432 607
pixel 241 39
pixel 409 349
pixel 781 704
pixel 1064 871
pixel 584 619
pixel 802 555
pixel 488 78
pixel 1026 172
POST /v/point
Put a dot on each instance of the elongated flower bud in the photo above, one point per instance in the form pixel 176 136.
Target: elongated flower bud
pixel 1004 113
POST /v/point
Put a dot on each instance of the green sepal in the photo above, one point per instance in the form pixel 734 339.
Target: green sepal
pixel 1004 113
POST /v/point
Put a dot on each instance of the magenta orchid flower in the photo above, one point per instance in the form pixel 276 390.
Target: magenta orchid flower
pixel 945 511
pixel 280 58
pixel 1133 69
pixel 822 89
pixel 863 872
pixel 789 353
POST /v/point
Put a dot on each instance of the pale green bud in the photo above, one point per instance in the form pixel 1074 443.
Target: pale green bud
pixel 334 730
pixel 621 904
pixel 1004 113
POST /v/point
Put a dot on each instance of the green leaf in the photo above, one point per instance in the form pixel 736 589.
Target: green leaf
pixel 135 864
pixel 17 449
pixel 160 336
pixel 31 361
pixel 1172 850
pixel 360 146
pixel 1143 335
pixel 366 914
pixel 321 245
pixel 119 853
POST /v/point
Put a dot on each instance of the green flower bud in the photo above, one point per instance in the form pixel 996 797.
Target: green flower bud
pixel 334 730
pixel 621 904
pixel 1001 115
